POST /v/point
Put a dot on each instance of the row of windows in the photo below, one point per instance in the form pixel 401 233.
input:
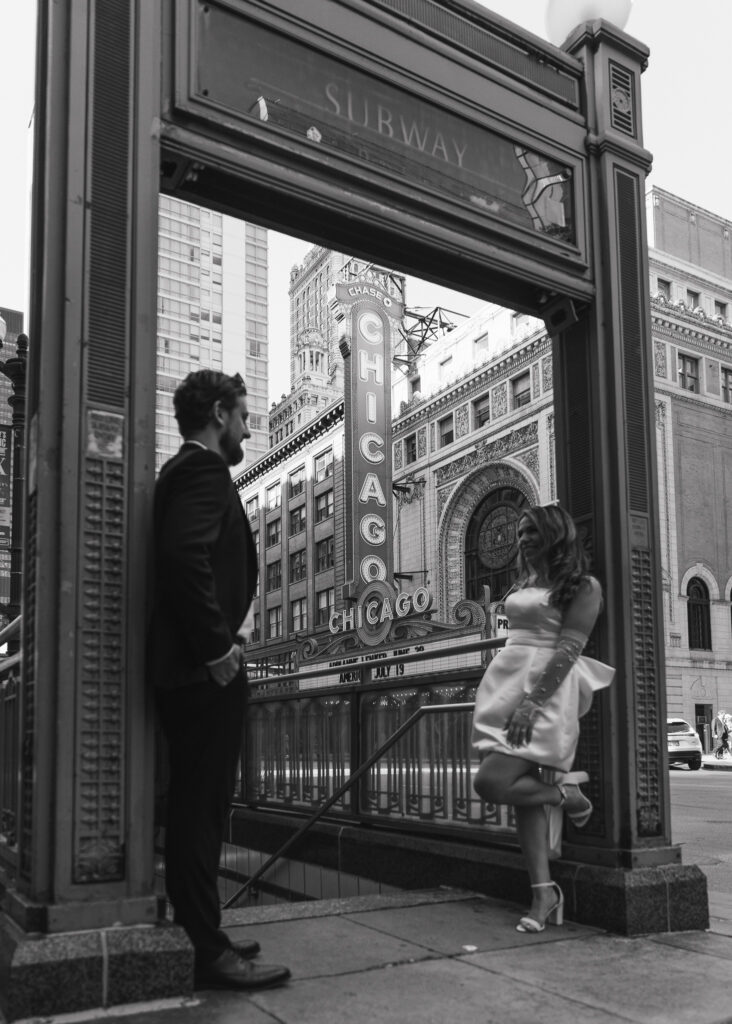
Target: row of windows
pixel 691 298
pixel 323 469
pixel 324 559
pixel 689 377
pixel 325 606
pixel 298 519
pixel 520 396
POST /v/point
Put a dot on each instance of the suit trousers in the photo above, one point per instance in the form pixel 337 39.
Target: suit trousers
pixel 203 725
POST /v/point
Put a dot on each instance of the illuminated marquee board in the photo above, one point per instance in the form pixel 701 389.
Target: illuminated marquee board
pixel 367 315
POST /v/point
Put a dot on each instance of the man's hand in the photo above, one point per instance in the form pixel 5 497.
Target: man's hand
pixel 222 672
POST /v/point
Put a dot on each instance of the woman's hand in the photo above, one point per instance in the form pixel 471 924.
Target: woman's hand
pixel 520 724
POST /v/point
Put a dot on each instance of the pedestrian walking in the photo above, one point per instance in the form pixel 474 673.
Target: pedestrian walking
pixel 205 574
pixel 533 693
pixel 720 732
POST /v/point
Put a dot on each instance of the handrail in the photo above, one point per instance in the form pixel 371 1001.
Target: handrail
pixel 10 630
pixel 354 777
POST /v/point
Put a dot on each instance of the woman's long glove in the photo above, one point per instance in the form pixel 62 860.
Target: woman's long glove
pixel 520 723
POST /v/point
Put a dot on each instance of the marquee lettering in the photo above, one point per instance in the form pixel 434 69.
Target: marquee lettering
pixel 372 490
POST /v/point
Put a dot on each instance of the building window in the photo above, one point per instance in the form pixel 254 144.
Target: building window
pixel 324 466
pixel 482 411
pixel 727 385
pixel 521 390
pixel 323 506
pixel 326 605
pixel 415 387
pixel 693 299
pixel 252 507
pixel 446 431
pixel 410 448
pixel 298 565
pixel 480 346
pixel 274 575
pixel 257 630
pixel 297 482
pixel 274 622
pixel 324 557
pixel 297 520
pixel 255 538
pixel 720 309
pixel 299 614
pixel 700 627
pixel 445 369
pixel 273 532
pixel 689 373
pixel 273 497
pixel 664 289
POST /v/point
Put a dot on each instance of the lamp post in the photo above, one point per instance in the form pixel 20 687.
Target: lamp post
pixel 564 15
pixel 15 370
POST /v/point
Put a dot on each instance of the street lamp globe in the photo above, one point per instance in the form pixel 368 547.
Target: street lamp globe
pixel 564 15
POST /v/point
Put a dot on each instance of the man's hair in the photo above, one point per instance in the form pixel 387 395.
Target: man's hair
pixel 195 396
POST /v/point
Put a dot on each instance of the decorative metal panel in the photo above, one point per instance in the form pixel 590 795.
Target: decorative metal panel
pixel 647 725
pixel 98 822
pixel 499 401
pixel 28 708
pixel 578 433
pixel 108 286
pixel 516 60
pixel 622 99
pixel 634 373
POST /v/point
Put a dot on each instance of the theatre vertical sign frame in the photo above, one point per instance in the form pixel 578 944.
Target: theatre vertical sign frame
pixel 367 316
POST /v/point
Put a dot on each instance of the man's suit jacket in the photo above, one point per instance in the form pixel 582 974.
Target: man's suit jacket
pixel 205 567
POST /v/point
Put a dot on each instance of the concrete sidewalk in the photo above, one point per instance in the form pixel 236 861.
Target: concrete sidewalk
pixel 450 957
pixel 716 764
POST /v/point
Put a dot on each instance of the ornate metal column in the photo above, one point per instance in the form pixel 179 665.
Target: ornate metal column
pixel 607 478
pixel 84 845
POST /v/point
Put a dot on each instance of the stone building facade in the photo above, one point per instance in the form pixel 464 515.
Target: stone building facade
pixel 476 444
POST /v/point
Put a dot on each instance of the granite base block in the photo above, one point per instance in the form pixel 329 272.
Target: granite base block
pixel 44 975
pixel 641 901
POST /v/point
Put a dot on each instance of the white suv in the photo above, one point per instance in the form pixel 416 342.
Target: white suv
pixel 684 745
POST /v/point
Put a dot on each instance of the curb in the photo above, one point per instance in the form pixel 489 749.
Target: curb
pixel 716 765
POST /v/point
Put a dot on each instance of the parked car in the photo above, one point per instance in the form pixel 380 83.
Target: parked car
pixel 684 745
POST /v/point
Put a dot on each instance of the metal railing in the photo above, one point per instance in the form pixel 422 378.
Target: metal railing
pixel 10 711
pixel 421 712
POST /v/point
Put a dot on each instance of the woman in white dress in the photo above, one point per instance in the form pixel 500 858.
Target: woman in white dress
pixel 533 693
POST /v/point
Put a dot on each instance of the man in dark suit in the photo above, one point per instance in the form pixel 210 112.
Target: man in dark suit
pixel 205 577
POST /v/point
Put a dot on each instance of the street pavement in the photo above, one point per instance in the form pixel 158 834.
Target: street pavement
pixel 451 957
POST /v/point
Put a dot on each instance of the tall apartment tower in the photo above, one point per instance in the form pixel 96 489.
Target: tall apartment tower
pixel 212 312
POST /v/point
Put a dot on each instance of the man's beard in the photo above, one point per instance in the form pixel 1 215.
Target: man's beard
pixel 231 449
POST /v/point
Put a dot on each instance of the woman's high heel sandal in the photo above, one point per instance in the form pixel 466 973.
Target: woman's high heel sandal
pixel 555 914
pixel 574 803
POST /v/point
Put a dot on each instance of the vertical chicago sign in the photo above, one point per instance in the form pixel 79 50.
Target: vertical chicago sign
pixel 367 316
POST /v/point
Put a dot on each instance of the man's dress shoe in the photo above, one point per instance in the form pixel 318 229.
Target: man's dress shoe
pixel 246 947
pixel 230 971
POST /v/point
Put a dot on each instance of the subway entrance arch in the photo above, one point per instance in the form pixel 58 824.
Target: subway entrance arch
pixel 474 155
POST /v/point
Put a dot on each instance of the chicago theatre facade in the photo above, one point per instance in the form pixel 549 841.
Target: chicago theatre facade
pixel 473 443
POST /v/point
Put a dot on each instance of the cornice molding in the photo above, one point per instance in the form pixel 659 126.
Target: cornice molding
pixel 293 444
pixel 472 384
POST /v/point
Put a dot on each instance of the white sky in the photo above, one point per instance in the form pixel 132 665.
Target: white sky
pixel 686 119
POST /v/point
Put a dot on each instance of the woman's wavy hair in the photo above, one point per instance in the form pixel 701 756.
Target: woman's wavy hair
pixel 195 396
pixel 561 560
